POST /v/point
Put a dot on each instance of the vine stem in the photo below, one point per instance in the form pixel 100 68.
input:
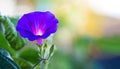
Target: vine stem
pixel 43 64
pixel 36 64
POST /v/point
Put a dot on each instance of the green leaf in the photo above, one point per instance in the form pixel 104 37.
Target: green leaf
pixel 19 42
pixel 23 63
pixel 30 54
pixel 5 53
pixel 5 60
pixel 9 28
pixel 5 45
pixel 109 44
pixel 14 20
pixel 13 37
pixel 2 29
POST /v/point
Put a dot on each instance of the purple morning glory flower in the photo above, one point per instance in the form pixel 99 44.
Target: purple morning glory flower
pixel 37 25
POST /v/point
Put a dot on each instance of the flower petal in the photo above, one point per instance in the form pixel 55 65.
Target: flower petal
pixel 23 24
pixel 27 34
pixel 49 31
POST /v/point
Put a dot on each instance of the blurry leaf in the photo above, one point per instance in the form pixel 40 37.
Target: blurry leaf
pixel 109 44
pixel 5 53
pixel 23 63
pixel 14 20
pixel 10 31
pixel 30 54
pixel 83 41
pixel 19 42
pixel 14 39
pixel 5 45
pixel 5 60
pixel 2 29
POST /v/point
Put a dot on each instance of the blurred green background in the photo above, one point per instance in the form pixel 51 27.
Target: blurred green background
pixel 88 36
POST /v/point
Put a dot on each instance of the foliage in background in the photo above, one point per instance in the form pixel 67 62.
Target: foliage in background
pixel 11 40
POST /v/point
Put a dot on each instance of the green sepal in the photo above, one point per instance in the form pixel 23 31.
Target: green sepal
pixel 51 51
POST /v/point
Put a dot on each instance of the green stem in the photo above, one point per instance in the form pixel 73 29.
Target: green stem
pixel 36 64
pixel 43 64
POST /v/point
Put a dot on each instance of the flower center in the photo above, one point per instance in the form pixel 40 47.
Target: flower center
pixel 39 32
